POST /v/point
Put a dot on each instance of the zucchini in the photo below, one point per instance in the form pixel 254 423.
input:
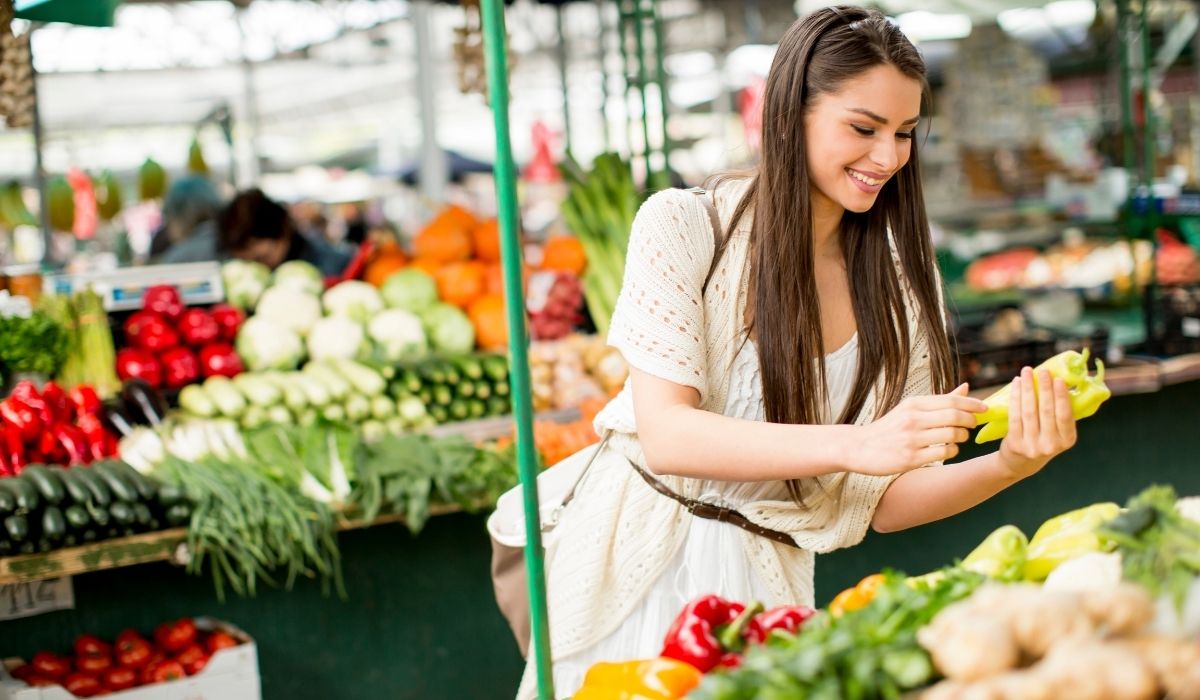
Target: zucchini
pixel 179 514
pixel 146 488
pixel 122 488
pixel 54 525
pixel 498 406
pixel 70 540
pixel 77 517
pixel 496 367
pixel 8 500
pixel 170 494
pixel 89 535
pixel 27 547
pixel 476 408
pixel 48 483
pixel 99 493
pixel 24 491
pixel 142 515
pixel 442 395
pixel 44 545
pixel 99 515
pixel 439 413
pixel 425 396
pixel 122 514
pixel 76 487
pixel 501 388
pixel 410 381
pixel 452 374
pixel 431 371
pixel 465 390
pixel 483 390
pixel 459 410
pixel 470 367
pixel 17 527
pixel 6 548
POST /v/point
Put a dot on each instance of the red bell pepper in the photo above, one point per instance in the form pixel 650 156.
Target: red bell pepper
pixel 14 448
pixel 85 400
pixel 163 299
pixel 96 436
pixel 787 618
pixel 229 321
pixel 709 632
pixel 21 417
pixel 50 448
pixel 5 468
pixel 220 359
pixel 180 367
pixel 198 327
pixel 26 394
pixel 58 406
pixel 74 443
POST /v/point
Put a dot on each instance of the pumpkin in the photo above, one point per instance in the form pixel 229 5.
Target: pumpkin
pixel 494 279
pixel 460 283
pixel 491 324
pixel 426 265
pixel 447 238
pixel 486 237
pixel 384 264
pixel 564 254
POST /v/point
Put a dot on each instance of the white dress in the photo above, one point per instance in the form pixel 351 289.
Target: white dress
pixel 712 558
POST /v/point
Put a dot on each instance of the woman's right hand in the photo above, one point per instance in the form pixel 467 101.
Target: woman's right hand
pixel 918 431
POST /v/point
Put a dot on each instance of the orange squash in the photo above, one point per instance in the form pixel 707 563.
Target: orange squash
pixel 382 267
pixel 564 254
pixel 494 279
pixel 447 238
pixel 488 316
pixel 460 283
pixel 427 265
pixel 486 237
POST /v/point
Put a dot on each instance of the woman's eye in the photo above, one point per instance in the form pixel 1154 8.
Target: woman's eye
pixel 862 130
pixel 904 135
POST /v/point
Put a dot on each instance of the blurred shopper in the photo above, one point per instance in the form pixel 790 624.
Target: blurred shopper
pixel 190 208
pixel 255 227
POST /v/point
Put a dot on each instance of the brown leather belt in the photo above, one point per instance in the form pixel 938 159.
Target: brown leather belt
pixel 700 509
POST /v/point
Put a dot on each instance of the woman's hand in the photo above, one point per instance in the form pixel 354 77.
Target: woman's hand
pixel 918 431
pixel 1041 424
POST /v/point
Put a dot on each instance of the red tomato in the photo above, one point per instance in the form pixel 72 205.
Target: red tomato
pixel 51 665
pixel 163 671
pixel 88 645
pixel 176 636
pixel 220 640
pixel 94 663
pixel 83 685
pixel 193 659
pixel 127 635
pixel 23 672
pixel 134 652
pixel 37 681
pixel 120 678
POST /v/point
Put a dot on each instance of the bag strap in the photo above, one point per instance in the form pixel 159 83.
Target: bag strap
pixel 718 233
pixel 554 514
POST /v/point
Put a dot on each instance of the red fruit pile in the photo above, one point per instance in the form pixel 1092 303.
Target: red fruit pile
pixel 170 346
pixel 52 426
pixel 554 303
pixel 97 667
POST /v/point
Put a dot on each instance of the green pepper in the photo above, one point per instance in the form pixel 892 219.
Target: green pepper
pixel 1066 537
pixel 1001 555
pixel 1087 392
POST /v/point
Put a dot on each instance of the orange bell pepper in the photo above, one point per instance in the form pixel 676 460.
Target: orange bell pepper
pixel 858 597
pixel 645 679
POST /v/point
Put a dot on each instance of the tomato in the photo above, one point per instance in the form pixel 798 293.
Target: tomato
pixel 220 640
pixel 128 635
pixel 120 678
pixel 96 663
pixel 176 636
pixel 163 671
pixel 193 659
pixel 23 672
pixel 37 681
pixel 83 685
pixel 51 665
pixel 133 652
pixel 88 645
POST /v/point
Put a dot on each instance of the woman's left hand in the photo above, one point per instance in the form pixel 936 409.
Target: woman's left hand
pixel 1041 424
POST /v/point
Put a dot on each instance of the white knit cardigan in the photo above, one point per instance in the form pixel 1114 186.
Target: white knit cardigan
pixel 618 535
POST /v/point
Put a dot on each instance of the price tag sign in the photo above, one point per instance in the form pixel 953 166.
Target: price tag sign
pixel 31 598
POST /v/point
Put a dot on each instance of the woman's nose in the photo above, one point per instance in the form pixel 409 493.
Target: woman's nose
pixel 886 155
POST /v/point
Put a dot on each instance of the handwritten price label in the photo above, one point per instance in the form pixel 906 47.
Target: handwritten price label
pixel 31 598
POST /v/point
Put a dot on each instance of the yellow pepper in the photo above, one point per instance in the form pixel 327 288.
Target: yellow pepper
pixel 1065 537
pixel 645 679
pixel 1001 555
pixel 1087 392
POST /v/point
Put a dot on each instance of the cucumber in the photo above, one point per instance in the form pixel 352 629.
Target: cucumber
pixel 453 376
pixel 147 490
pixel 425 395
pixel 44 545
pixel 179 514
pixel 48 483
pixel 17 527
pixel 98 492
pixel 498 406
pixel 501 388
pixel 76 487
pixel 410 381
pixel 442 395
pixel 170 494
pixel 470 367
pixel 89 535
pixel 431 371
pixel 99 515
pixel 70 540
pixel 6 548
pixel 27 547
pixel 77 517
pixel 122 490
pixel 142 515
pixel 476 408
pixel 24 491
pixel 8 500
pixel 459 410
pixel 483 390
pixel 439 413
pixel 496 367
pixel 54 525
pixel 465 390
pixel 122 514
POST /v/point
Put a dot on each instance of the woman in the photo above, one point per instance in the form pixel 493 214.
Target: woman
pixel 808 385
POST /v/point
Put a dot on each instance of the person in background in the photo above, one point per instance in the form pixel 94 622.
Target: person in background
pixel 190 208
pixel 255 227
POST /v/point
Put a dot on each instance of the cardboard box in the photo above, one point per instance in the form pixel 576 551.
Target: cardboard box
pixel 231 674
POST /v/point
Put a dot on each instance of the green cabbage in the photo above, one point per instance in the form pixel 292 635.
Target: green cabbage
pixel 449 330
pixel 411 290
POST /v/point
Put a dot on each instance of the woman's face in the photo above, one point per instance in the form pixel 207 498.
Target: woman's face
pixel 268 251
pixel 859 137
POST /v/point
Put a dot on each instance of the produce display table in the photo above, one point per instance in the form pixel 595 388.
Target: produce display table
pixel 421 622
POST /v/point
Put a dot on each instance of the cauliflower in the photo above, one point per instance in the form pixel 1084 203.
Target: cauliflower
pixel 336 337
pixel 353 299
pixel 244 282
pixel 300 276
pixel 294 310
pixel 398 335
pixel 264 344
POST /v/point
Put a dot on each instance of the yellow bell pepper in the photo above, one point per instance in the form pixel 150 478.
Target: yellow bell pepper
pixel 1065 537
pixel 1087 393
pixel 645 679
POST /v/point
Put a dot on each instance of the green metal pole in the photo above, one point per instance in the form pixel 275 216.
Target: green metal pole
pixel 639 32
pixel 603 41
pixel 510 252
pixel 660 79
pixel 562 74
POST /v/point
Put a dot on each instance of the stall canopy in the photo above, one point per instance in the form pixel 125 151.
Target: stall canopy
pixel 90 13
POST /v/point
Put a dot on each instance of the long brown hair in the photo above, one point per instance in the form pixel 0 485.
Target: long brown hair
pixel 816 56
